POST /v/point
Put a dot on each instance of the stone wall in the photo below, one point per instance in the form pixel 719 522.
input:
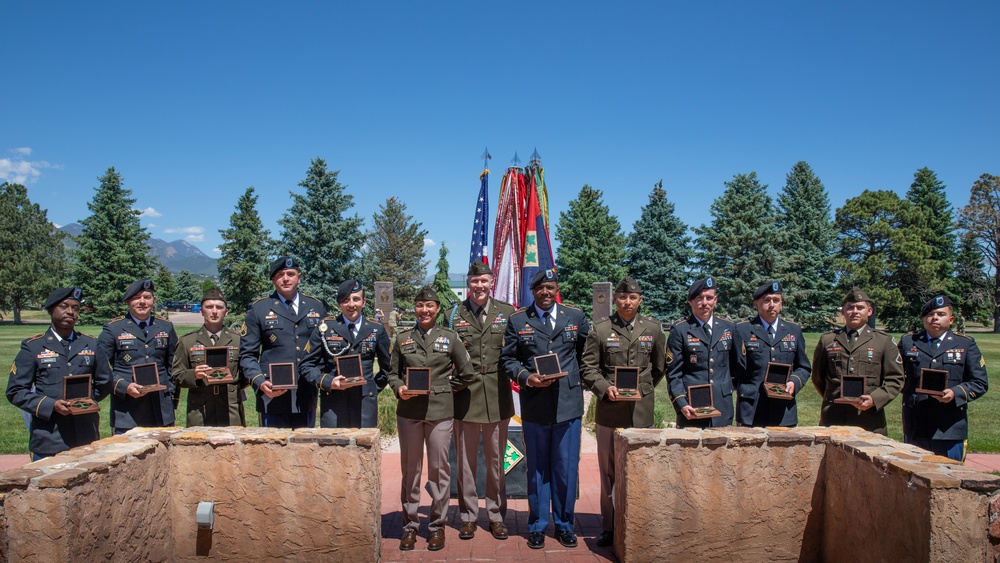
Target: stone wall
pixel 307 494
pixel 808 494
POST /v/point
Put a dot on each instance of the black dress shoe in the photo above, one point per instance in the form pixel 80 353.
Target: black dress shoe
pixel 566 538
pixel 605 539
pixel 536 540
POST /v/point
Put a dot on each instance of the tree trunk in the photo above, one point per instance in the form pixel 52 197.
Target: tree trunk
pixel 17 312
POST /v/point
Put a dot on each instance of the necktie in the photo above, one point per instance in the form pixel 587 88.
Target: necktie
pixel 291 306
pixel 142 327
pixel 354 331
pixel 68 342
pixel 213 338
pixel 853 337
pixel 549 320
pixel 708 330
pixel 771 331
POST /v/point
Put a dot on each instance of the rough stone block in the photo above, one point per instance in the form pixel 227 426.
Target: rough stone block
pixel 18 477
pixel 786 438
pixel 935 480
pixel 641 437
pixel 681 437
pixel 189 439
pixel 63 478
pixel 216 440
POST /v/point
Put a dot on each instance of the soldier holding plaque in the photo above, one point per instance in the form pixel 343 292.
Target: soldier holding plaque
pixel 341 363
pixel 944 371
pixel 214 387
pixel 625 343
pixel 429 363
pixel 771 363
pixel 485 407
pixel 139 343
pixel 37 382
pixel 857 351
pixel 551 407
pixel 700 353
pixel 276 330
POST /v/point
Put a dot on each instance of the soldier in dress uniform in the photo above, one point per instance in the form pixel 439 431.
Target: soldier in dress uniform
pixel 700 351
pixel 426 420
pixel 346 334
pixel 551 409
pixel 135 339
pixel 484 408
pixel 276 330
pixel 940 423
pixel 856 349
pixel 36 378
pixel 763 339
pixel 626 339
pixel 210 405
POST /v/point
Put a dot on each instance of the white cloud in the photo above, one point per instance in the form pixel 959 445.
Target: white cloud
pixel 185 230
pixel 57 225
pixel 149 212
pixel 21 171
pixel 195 238
pixel 151 225
pixel 216 250
pixel 429 242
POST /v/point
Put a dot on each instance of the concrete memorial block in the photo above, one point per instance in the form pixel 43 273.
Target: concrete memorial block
pixel 602 301
pixel 384 298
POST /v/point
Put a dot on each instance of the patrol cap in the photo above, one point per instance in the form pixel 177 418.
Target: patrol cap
pixel 767 289
pixel 346 289
pixel 701 285
pixel 427 293
pixel 936 303
pixel 543 276
pixel 284 263
pixel 137 287
pixel 61 294
pixel 628 285
pixel 856 295
pixel 213 294
pixel 478 268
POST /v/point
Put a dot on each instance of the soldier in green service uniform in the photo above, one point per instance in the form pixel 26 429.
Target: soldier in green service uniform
pixel 483 408
pixel 426 419
pixel 210 405
pixel 856 349
pixel 626 339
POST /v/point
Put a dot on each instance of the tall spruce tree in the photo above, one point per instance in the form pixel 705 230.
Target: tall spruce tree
pixel 113 249
pixel 166 285
pixel 31 251
pixel 318 232
pixel 971 283
pixel 742 248
pixel 591 248
pixel 930 270
pixel 981 220
pixel 441 285
pixel 396 247
pixel 245 258
pixel 804 218
pixel 877 238
pixel 188 287
pixel 658 255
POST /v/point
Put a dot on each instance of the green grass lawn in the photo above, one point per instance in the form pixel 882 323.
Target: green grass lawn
pixel 984 413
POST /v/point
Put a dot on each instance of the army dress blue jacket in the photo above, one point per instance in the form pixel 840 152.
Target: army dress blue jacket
pixel 36 382
pixel 754 349
pixel 694 359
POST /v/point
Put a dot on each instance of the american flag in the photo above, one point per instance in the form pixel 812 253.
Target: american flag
pixel 481 227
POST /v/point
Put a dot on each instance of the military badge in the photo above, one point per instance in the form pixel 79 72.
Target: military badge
pixel 243 329
pixel 322 327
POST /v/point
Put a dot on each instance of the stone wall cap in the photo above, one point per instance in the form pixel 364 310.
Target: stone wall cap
pixel 19 477
pixel 61 479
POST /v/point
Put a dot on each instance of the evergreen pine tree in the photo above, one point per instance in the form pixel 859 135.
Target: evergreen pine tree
pixel 930 269
pixel 742 248
pixel 981 220
pixel 245 257
pixel 396 247
pixel 970 284
pixel 31 251
pixel 188 287
pixel 877 240
pixel 658 256
pixel 113 249
pixel 317 232
pixel 804 218
pixel 166 285
pixel 591 248
pixel 441 285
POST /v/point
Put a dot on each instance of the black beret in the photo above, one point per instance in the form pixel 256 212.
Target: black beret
pixel 284 263
pixel 346 289
pixel 213 294
pixel 936 303
pixel 427 293
pixel 628 285
pixel 701 285
pixel 61 294
pixel 477 268
pixel 543 276
pixel 767 289
pixel 856 295
pixel 137 287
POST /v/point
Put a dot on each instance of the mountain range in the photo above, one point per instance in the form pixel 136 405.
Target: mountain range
pixel 176 256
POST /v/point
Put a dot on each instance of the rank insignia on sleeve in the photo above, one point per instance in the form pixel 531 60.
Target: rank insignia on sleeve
pixel 308 347
pixel 982 362
pixel 13 368
pixel 670 356
pixel 243 329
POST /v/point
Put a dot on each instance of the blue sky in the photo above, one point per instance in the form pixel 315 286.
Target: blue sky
pixel 193 102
